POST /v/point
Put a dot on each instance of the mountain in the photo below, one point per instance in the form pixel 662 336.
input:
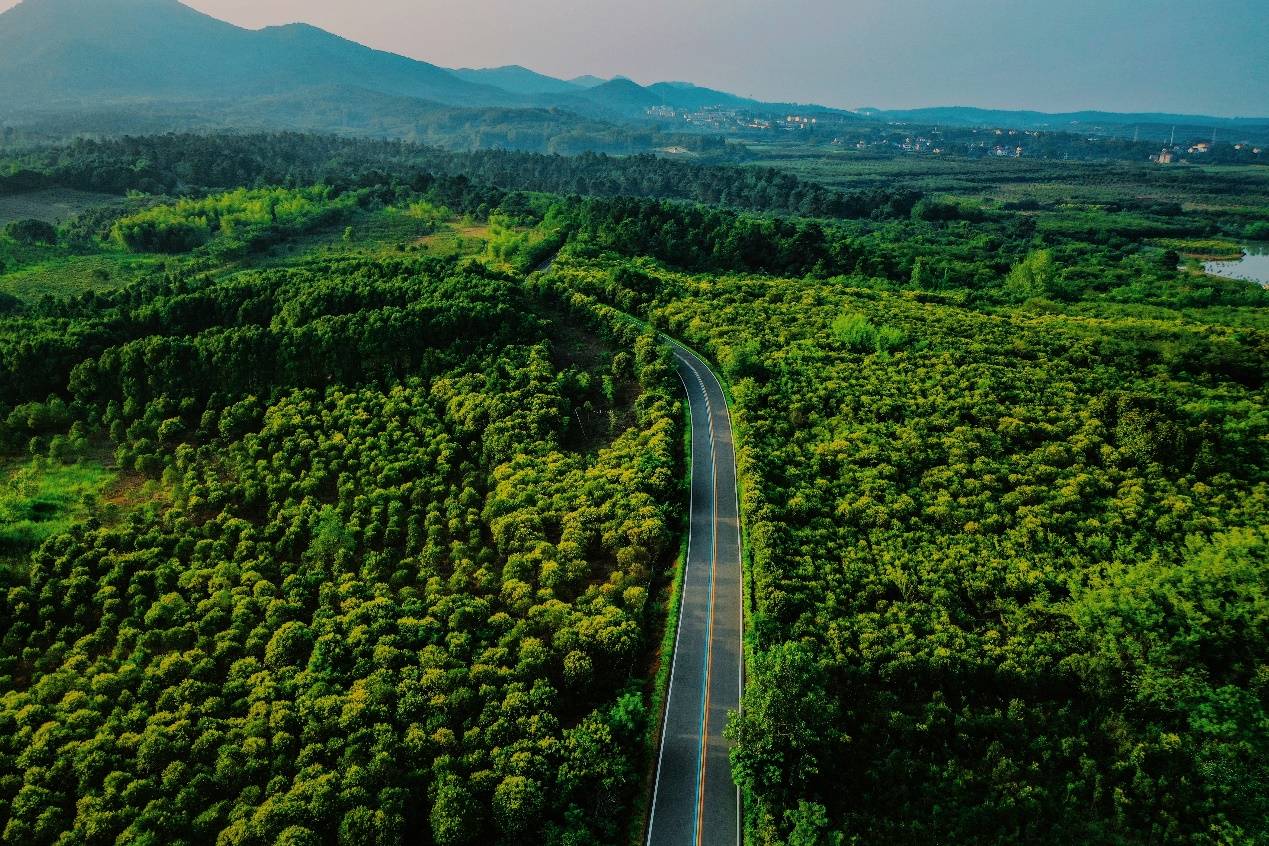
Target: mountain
pixel 118 66
pixel 141 62
pixel 622 96
pixel 626 99
pixel 60 56
pixel 685 95
pixel 518 80
pixel 55 52
pixel 73 53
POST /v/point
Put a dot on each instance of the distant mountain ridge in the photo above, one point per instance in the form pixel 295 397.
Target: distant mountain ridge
pixel 162 50
pixel 519 80
pixel 62 57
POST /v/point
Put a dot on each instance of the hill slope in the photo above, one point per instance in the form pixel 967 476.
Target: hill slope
pixel 518 80
pixel 161 49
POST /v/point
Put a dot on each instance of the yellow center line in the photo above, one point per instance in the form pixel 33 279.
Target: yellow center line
pixel 709 626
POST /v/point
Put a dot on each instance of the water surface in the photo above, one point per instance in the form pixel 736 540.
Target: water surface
pixel 1253 266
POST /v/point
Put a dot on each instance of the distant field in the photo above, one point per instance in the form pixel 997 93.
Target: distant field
pixel 1235 188
pixel 66 275
pixel 384 231
pixel 29 272
pixel 53 204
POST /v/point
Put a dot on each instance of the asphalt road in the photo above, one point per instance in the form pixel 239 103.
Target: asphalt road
pixel 695 802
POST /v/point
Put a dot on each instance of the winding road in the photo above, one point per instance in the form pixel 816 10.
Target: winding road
pixel 695 802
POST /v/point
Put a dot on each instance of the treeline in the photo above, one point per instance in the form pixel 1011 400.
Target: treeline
pixel 904 246
pixel 179 164
pixel 363 114
pixel 702 238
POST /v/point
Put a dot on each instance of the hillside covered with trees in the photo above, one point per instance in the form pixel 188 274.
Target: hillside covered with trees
pixel 339 514
pixel 395 568
pixel 1008 569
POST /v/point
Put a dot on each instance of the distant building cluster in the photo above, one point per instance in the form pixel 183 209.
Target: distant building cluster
pixel 911 144
pixel 720 118
pixel 1172 153
pixel 714 118
pixel 902 137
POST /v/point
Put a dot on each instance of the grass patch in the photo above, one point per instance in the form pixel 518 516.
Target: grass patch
pixel 457 240
pixel 43 498
pixel 62 274
pixel 381 232
pixel 1204 249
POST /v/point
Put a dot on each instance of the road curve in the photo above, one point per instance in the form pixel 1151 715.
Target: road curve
pixel 694 801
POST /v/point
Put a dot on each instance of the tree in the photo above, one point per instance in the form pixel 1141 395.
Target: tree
pixel 455 817
pixel 517 805
pixel 1034 276
pixel 297 835
pixel 289 646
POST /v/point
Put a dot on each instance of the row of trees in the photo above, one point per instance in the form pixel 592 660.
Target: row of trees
pixel 176 164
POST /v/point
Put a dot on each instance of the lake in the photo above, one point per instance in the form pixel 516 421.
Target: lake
pixel 1254 266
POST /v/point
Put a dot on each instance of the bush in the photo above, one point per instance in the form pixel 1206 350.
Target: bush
pixel 933 210
pixel 31 231
pixel 1034 276
pixel 858 334
pixel 171 235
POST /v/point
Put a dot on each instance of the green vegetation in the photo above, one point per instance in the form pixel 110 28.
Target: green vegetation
pixel 403 579
pixel 1006 488
pixel 1009 568
pixel 240 220
pixel 31 231
pixel 1217 248
pixel 202 164
pixel 45 498
pixel 383 551
pixel 53 204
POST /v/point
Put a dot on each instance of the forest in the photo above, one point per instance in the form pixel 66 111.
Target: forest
pixel 386 562
pixel 1007 568
pixel 336 513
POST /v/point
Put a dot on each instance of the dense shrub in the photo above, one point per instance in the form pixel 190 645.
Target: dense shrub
pixel 31 231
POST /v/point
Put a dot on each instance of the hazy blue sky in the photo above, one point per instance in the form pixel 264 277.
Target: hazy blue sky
pixel 1207 56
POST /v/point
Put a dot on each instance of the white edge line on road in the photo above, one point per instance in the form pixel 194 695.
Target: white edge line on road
pixel 740 550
